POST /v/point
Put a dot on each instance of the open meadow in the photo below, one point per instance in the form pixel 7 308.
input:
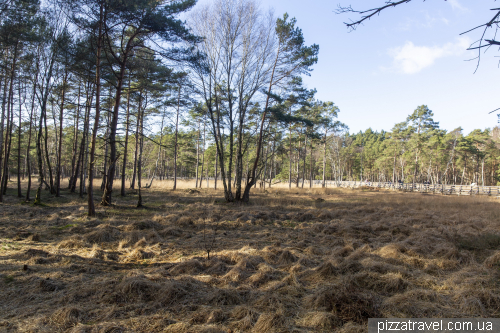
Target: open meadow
pixel 305 260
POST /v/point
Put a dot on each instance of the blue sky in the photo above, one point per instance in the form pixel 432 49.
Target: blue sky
pixel 408 56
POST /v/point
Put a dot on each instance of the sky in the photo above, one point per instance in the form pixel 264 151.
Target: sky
pixel 407 56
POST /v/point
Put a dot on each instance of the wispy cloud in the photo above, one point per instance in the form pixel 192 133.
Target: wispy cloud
pixel 411 59
pixel 425 20
pixel 455 5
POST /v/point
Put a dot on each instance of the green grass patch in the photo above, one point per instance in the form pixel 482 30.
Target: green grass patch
pixel 8 279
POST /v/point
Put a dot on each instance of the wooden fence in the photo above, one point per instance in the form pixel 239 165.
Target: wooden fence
pixel 423 188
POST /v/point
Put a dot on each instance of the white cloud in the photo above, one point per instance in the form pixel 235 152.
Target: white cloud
pixel 423 20
pixel 411 59
pixel 456 5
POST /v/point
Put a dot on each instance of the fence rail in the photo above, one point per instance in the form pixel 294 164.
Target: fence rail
pixel 417 187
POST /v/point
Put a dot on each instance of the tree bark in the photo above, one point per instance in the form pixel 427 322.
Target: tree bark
pixel 176 135
pixel 74 174
pixel 2 122
pixel 136 152
pixel 139 162
pixel 125 149
pixel 58 171
pixel 91 207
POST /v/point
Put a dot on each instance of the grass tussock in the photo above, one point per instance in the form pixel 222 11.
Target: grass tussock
pixel 319 260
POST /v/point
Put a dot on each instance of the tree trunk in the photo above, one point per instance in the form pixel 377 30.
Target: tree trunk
pixel 28 162
pixel 323 184
pixel 2 122
pixel 139 161
pixel 58 171
pixel 305 156
pixel 74 174
pixel 311 163
pixel 136 152
pixel 290 155
pixel 198 155
pixel 8 134
pixel 203 155
pixel 175 140
pixel 91 207
pixel 215 171
pixel 19 194
pixel 83 153
pixel 43 116
pixel 106 145
pixel 106 196
pixel 125 149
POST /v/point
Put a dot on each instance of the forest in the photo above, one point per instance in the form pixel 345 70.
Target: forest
pixel 165 168
pixel 167 106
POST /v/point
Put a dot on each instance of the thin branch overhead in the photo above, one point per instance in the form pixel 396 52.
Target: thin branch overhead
pixel 367 14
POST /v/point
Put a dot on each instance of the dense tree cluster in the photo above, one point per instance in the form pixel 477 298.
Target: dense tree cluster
pixel 125 92
pixel 417 150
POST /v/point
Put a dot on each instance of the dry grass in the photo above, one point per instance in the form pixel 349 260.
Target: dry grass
pixel 316 259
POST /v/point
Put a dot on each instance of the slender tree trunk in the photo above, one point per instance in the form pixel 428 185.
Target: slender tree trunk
pixel 136 152
pixel 106 196
pixel 265 166
pixel 42 120
pixel 83 153
pixel 47 157
pixel 91 207
pixel 297 165
pixel 2 122
pixel 305 157
pixel 58 171
pixel 106 145
pixel 175 140
pixel 139 161
pixel 203 155
pixel 159 153
pixel 125 149
pixel 74 174
pixel 10 117
pixel 482 172
pixel 311 163
pixel 323 184
pixel 19 194
pixel 215 171
pixel 10 127
pixel 272 162
pixel 198 155
pixel 28 162
pixel 290 155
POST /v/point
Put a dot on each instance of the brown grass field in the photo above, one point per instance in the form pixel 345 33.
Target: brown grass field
pixel 315 260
